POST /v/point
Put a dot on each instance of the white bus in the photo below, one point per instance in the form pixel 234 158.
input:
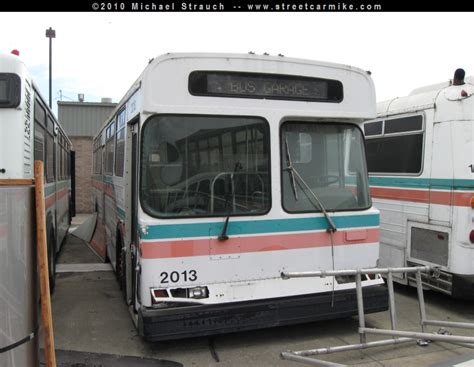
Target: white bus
pixel 420 153
pixel 217 172
pixel 28 131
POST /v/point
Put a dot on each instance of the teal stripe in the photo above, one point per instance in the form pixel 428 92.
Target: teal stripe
pixel 212 229
pixel 422 183
pixel 121 213
pixel 107 179
pixel 50 188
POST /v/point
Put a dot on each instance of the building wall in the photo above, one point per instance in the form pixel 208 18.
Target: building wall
pixel 83 118
pixel 81 121
pixel 83 148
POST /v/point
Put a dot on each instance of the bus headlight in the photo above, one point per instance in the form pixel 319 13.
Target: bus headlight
pixel 198 292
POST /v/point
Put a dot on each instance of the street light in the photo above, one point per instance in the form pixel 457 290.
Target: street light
pixel 50 33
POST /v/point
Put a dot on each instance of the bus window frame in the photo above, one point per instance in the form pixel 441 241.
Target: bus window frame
pixel 267 142
pixel 398 134
pixel 282 169
pixel 121 121
pixel 110 136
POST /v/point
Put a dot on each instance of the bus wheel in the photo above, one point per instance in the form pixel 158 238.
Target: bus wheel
pixel 51 263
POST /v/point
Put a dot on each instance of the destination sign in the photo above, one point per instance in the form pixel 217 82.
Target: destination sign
pixel 264 86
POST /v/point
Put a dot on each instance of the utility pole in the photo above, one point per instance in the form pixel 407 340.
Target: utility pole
pixel 50 33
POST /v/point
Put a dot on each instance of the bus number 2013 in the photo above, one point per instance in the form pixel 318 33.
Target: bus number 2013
pixel 175 277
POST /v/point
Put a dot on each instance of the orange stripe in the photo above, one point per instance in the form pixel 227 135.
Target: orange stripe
pixel 235 245
pixel 398 194
pixel 423 196
pixel 51 199
pixel 98 239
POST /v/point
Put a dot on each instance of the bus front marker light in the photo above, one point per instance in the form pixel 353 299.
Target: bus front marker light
pixel 472 202
pixel 471 236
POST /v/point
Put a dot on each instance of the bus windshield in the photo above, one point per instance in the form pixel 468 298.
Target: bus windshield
pixel 323 162
pixel 205 166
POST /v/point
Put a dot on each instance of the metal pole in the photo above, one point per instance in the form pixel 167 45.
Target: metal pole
pixel 391 300
pixel 351 347
pixel 461 325
pixel 360 308
pixel 50 33
pixel 309 361
pixel 421 300
pixel 50 71
pixel 417 335
pixel 324 273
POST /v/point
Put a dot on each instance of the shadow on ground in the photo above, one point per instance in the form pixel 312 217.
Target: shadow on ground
pixel 67 358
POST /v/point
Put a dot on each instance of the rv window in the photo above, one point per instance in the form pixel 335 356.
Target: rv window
pixel 395 154
pixel 405 124
pixel 373 128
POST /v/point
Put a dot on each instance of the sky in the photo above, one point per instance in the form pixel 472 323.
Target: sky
pixel 102 54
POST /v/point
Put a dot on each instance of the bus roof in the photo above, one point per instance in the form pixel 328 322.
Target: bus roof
pixel 427 97
pixel 281 64
pixel 11 63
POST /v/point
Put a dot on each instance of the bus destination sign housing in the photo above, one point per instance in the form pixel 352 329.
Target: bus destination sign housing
pixel 264 86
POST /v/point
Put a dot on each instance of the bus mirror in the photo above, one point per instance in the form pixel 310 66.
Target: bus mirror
pixel 172 164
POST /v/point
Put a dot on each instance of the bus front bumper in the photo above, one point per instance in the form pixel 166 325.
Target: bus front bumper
pixel 201 320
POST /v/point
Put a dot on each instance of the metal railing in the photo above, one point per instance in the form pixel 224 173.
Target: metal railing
pixel 398 336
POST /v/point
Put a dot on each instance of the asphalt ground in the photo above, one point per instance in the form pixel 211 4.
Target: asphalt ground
pixel 90 317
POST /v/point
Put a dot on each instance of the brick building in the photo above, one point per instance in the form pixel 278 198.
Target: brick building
pixel 81 121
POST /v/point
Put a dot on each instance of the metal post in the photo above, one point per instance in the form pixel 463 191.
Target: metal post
pixel 391 300
pixel 289 356
pixel 421 300
pixel 50 33
pixel 360 308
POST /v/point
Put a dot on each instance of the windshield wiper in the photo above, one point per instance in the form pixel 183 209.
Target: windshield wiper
pixel 293 172
pixel 290 169
pixel 223 236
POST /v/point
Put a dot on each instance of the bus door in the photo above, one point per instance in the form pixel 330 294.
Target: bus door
pixel 101 198
pixel 131 205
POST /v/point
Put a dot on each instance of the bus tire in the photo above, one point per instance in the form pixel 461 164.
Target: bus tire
pixel 51 262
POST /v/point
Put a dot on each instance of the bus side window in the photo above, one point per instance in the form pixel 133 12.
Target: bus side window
pixel 39 142
pixel 49 158
pixel 40 122
pixel 109 149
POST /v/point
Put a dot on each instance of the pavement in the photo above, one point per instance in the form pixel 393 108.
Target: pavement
pixel 90 317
